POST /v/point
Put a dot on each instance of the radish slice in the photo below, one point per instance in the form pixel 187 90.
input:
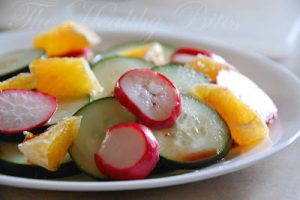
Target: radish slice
pixel 150 96
pixel 249 93
pixel 22 110
pixel 185 55
pixel 129 151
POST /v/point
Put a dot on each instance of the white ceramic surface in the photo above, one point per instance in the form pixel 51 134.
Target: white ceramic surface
pixel 280 84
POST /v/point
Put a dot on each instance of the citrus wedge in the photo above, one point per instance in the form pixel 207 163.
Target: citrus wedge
pixel 249 93
pixel 245 125
pixel 66 38
pixel 65 78
pixel 208 66
pixel 138 52
pixel 153 53
pixel 25 81
pixel 49 149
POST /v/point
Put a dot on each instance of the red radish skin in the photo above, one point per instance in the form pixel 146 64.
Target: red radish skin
pixel 193 51
pixel 249 93
pixel 187 54
pixel 272 117
pixel 86 53
pixel 166 109
pixel 22 110
pixel 129 151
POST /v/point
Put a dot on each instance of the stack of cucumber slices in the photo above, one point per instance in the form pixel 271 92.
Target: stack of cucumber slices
pixel 196 137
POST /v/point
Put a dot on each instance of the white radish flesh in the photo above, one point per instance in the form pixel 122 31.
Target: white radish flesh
pixel 129 151
pixel 22 110
pixel 150 96
pixel 122 144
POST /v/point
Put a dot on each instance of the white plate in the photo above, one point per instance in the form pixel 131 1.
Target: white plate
pixel 280 84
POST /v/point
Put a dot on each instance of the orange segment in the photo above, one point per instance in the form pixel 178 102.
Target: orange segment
pixel 153 53
pixel 66 38
pixel 252 95
pixel 25 81
pixel 65 78
pixel 138 52
pixel 49 149
pixel 245 125
pixel 208 66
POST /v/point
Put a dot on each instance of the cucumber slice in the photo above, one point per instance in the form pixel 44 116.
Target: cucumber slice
pixel 109 70
pixel 16 62
pixel 116 50
pixel 67 108
pixel 97 117
pixel 183 78
pixel 199 137
pixel 14 163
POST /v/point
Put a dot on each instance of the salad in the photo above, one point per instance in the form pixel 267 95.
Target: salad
pixel 138 109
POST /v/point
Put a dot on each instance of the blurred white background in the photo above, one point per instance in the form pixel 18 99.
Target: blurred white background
pixel 270 27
